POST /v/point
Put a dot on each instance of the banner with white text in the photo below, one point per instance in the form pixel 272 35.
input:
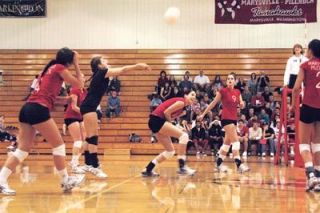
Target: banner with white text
pixel 265 11
pixel 23 8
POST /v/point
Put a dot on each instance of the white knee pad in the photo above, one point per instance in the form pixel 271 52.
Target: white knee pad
pixel 236 146
pixel 225 148
pixel 184 138
pixel 20 154
pixel 77 144
pixel 168 154
pixel 304 147
pixel 60 150
pixel 315 147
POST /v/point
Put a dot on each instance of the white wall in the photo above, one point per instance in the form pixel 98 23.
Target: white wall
pixel 138 24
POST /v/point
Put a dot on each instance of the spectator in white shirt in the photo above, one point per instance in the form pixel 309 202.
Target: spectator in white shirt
pixel 201 80
pixel 255 135
pixel 293 65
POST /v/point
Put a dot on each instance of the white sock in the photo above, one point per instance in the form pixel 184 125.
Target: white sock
pixel 308 164
pixel 63 175
pixel 4 174
pixel 183 157
pixel 155 161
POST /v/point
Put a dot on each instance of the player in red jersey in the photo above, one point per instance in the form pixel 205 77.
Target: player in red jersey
pixel 74 121
pixel 160 124
pixel 35 115
pixel 309 126
pixel 231 99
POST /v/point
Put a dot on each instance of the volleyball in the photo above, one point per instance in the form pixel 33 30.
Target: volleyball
pixel 171 15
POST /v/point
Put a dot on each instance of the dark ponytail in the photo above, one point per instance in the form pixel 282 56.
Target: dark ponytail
pixel 45 70
pixel 95 62
pixel 314 46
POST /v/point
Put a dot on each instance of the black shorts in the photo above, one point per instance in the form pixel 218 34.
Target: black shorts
pixel 84 109
pixel 33 113
pixel 69 121
pixel 155 123
pixel 309 114
pixel 227 122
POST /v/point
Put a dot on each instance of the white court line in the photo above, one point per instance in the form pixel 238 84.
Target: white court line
pixel 97 194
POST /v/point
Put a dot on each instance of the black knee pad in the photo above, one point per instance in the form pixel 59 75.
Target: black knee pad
pixel 92 140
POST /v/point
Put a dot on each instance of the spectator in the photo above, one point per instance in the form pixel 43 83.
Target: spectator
pixel 246 94
pixel 268 110
pixel 212 92
pixel 175 92
pixel 200 81
pixel 187 74
pixel 244 119
pixel 162 81
pixel 266 94
pixel 264 117
pixel 113 107
pixel 195 109
pixel 115 85
pixel 198 137
pixel 268 137
pixel 172 81
pixel 273 103
pixel 251 113
pixel 240 84
pixel 217 83
pixel 243 132
pixel 252 84
pixel 293 66
pixel 258 102
pixel 33 85
pixel 262 81
pixel 155 102
pixel 185 83
pixel 215 137
pixel 165 92
pixel 255 135
pixel 251 120
pixel 99 113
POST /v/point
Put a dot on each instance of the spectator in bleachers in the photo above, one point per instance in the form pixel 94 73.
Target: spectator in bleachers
pixel 212 92
pixel 195 109
pixel 246 94
pixel 258 102
pixel 33 85
pixel 264 117
pixel 155 102
pixel 217 83
pixel 185 83
pixel 268 136
pixel 200 81
pixel 252 119
pixel 215 137
pixel 187 74
pixel 113 107
pixel 251 113
pixel 275 113
pixel 172 81
pixel 198 137
pixel 243 133
pixel 272 102
pixel 268 110
pixel 240 84
pixel 266 94
pixel 255 135
pixel 162 80
pixel 99 113
pixel 165 92
pixel 243 117
pixel 262 82
pixel 252 84
pixel 175 92
pixel 115 85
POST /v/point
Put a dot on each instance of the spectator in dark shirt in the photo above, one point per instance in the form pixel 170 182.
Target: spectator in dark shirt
pixel 246 94
pixel 240 84
pixel 165 92
pixel 185 83
pixel 262 81
pixel 162 81
pixel 199 138
pixel 266 94
pixel 115 85
pixel 258 102
pixel 268 138
pixel 243 132
pixel 215 137
pixel 217 83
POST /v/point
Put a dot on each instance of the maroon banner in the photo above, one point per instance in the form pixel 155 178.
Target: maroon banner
pixel 265 11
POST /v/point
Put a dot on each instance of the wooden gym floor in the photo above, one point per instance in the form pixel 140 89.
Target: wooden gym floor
pixel 267 188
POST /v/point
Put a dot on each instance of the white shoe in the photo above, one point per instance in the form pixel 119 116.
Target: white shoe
pixel 271 155
pixel 186 170
pixel 85 167
pixel 77 170
pixel 312 182
pixel 98 172
pixel 73 181
pixel 243 168
pixel 222 168
pixel 5 190
pixel 198 155
pixel 263 154
pixel 244 155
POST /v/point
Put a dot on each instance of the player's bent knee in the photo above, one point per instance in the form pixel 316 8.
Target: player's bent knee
pixel 77 144
pixel 184 138
pixel 304 147
pixel 236 146
pixel 20 154
pixel 168 154
pixel 59 150
pixel 225 148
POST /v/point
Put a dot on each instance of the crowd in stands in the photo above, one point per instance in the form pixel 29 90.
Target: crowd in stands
pixel 258 122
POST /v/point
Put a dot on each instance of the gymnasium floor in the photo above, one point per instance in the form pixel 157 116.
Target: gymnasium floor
pixel 265 189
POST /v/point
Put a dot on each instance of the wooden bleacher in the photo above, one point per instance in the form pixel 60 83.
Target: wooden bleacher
pixel 20 67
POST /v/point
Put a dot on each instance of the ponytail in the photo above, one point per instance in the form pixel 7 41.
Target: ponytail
pixel 46 68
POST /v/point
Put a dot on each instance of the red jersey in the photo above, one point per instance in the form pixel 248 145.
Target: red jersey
pixel 159 111
pixel 242 132
pixel 81 94
pixel 312 83
pixel 49 87
pixel 230 99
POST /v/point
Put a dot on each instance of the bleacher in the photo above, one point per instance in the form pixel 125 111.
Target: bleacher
pixel 20 66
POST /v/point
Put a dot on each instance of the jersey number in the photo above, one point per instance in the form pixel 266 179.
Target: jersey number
pixel 318 84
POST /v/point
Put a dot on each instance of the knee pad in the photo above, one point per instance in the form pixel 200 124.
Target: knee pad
pixel 315 147
pixel 236 146
pixel 184 138
pixel 225 148
pixel 59 150
pixel 77 144
pixel 20 154
pixel 92 140
pixel 168 154
pixel 304 147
